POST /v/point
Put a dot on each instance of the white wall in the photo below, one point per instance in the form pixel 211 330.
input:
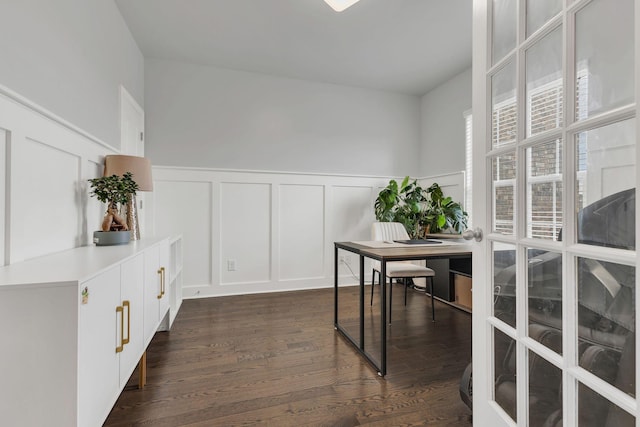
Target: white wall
pixel 70 56
pixel 46 165
pixel 199 116
pixel 250 232
pixel 442 123
pixel 62 66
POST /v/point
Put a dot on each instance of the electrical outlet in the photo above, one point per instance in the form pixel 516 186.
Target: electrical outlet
pixel 231 265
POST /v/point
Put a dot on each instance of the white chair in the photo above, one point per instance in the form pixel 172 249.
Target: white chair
pixel 390 231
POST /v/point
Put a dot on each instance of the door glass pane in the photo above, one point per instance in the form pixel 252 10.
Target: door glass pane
pixel 544 190
pixel 504 282
pixel 606 174
pixel 539 12
pixel 596 411
pixel 606 319
pixel 604 58
pixel 544 285
pixel 505 372
pixel 504 28
pixel 544 84
pixel 504 184
pixel 545 392
pixel 503 106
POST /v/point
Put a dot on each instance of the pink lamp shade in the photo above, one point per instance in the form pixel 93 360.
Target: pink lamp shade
pixel 140 168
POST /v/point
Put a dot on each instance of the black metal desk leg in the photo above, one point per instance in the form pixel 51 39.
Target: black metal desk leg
pixel 433 309
pixel 383 315
pixel 335 286
pixel 361 302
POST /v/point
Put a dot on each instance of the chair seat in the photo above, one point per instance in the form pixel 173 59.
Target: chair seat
pixel 405 269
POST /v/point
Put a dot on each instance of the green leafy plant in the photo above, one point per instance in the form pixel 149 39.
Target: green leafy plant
pixel 443 213
pixel 404 203
pixel 420 211
pixel 113 189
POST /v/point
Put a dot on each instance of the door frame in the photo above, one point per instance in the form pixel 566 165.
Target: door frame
pixel 485 410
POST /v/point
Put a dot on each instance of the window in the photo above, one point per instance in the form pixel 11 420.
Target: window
pixel 544 161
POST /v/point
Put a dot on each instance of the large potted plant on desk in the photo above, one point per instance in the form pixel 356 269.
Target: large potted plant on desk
pixel 442 213
pixel 115 191
pixel 420 211
pixel 404 203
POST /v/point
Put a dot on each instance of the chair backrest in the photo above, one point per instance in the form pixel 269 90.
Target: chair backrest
pixel 388 231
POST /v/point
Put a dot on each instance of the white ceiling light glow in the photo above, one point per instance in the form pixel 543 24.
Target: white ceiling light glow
pixel 340 5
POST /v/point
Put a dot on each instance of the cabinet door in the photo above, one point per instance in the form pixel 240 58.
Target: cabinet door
pixel 131 292
pixel 99 335
pixel 152 292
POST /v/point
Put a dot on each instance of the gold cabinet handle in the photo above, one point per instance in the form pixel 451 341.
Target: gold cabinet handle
pixel 161 280
pixel 120 309
pixel 127 304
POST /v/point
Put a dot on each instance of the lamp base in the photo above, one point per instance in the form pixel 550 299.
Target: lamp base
pixel 132 218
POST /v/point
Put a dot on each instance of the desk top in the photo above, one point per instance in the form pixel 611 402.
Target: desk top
pixel 398 251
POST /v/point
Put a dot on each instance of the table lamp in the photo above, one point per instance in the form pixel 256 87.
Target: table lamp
pixel 140 168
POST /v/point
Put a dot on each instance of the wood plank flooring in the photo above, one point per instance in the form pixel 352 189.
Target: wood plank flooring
pixel 275 360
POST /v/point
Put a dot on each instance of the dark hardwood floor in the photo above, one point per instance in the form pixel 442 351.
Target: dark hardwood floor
pixel 275 360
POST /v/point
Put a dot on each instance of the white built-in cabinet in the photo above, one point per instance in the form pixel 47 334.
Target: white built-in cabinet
pixel 156 299
pixel 132 317
pixel 74 326
pixel 173 277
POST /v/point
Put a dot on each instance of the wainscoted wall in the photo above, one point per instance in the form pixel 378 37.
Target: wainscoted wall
pixel 251 232
pixel 46 162
pixel 244 231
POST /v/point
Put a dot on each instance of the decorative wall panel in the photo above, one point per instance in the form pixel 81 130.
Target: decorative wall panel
pixel 184 207
pixel 245 232
pixel 45 194
pixel 301 232
pixel 352 215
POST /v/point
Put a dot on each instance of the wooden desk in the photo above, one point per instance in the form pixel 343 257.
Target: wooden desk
pixel 385 253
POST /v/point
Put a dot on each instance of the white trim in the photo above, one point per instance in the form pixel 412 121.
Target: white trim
pixel 610 392
pixel 637 207
pixel 127 99
pixel 468 166
pixel 37 108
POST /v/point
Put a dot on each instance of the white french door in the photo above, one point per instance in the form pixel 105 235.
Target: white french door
pixel 555 84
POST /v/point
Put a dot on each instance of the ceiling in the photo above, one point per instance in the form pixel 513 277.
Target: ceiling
pixel 407 46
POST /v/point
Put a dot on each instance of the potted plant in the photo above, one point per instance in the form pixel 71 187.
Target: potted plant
pixel 113 190
pixel 442 213
pixel 404 203
pixel 420 211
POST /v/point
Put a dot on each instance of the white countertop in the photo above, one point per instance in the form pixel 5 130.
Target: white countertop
pixel 72 265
